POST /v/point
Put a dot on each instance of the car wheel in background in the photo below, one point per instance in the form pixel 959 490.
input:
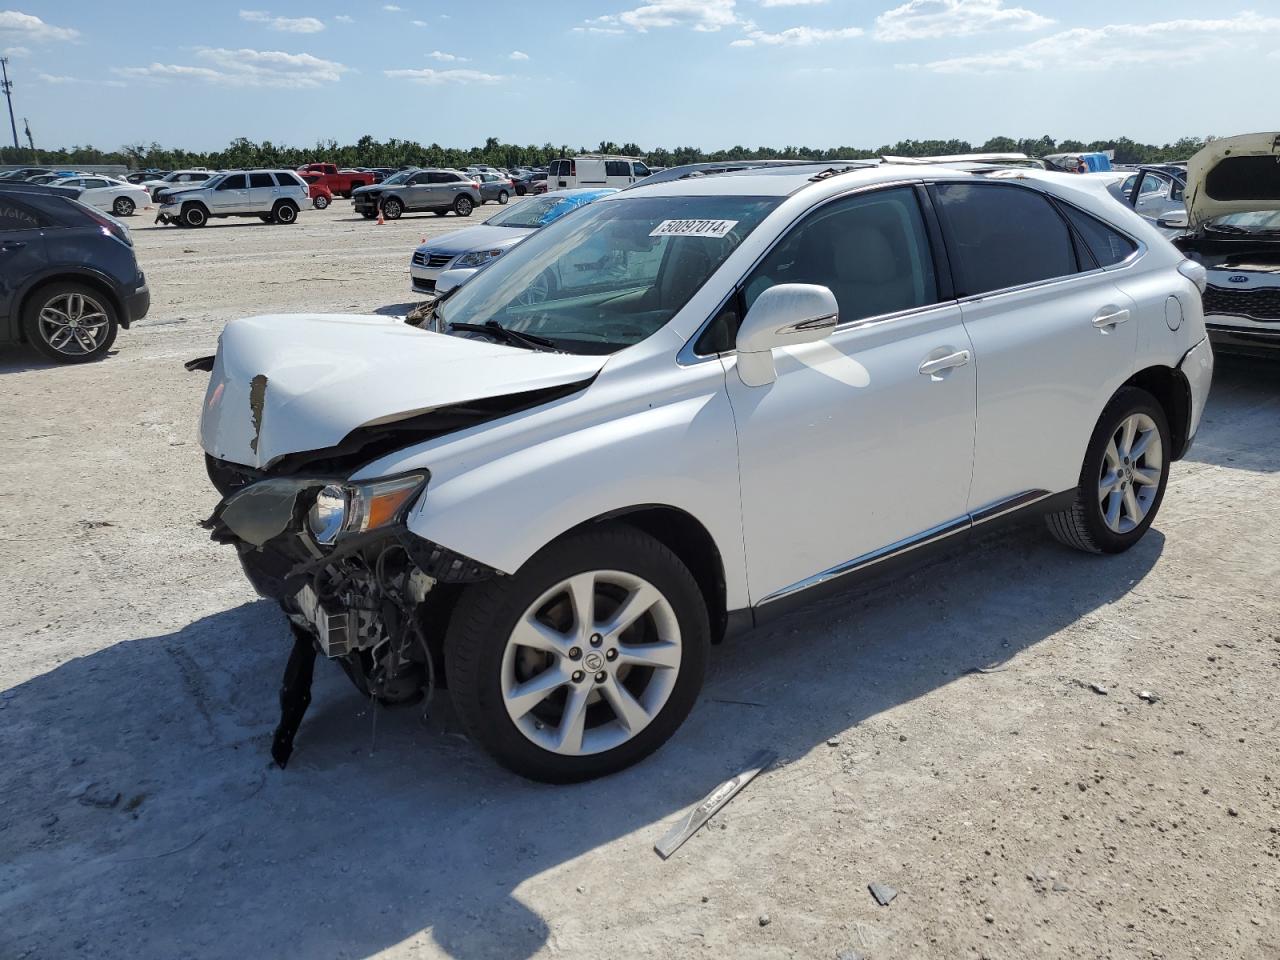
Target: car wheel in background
pixel 285 212
pixel 463 206
pixel 267 217
pixel 503 197
pixel 194 215
pixel 320 202
pixel 69 322
pixel 1123 479
pixel 392 208
pixel 520 191
pixel 123 207
pixel 368 214
pixel 585 660
pixel 440 213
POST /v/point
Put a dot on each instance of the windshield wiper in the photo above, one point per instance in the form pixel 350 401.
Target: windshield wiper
pixel 512 337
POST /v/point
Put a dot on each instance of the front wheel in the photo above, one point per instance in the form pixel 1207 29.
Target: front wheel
pixel 583 662
pixel 503 197
pixel 1122 482
pixel 392 208
pixel 194 215
pixel 463 206
pixel 320 202
pixel 70 322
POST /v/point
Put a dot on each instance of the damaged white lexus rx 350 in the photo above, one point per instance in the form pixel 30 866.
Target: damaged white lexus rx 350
pixel 679 411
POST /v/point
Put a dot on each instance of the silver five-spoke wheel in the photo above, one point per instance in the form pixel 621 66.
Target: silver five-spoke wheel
pixel 73 324
pixel 1131 469
pixel 591 662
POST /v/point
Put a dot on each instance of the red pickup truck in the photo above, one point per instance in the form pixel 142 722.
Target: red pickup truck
pixel 339 182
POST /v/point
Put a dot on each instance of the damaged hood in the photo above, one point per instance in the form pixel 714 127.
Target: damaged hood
pixel 285 384
pixel 1234 175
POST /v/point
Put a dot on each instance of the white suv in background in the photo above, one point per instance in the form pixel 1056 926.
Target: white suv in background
pixel 274 196
pixel 681 410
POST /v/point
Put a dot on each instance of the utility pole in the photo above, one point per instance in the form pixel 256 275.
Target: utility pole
pixel 7 86
pixel 35 157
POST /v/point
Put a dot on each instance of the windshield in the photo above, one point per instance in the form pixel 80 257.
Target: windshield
pixel 1262 221
pixel 400 177
pixel 539 211
pixel 611 275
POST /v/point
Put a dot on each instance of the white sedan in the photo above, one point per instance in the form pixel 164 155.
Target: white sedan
pixel 105 193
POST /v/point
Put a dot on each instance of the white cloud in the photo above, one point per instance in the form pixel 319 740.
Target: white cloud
pixel 427 75
pixel 343 18
pixel 704 15
pixel 283 24
pixel 245 68
pixel 16 51
pixel 517 55
pixel 446 57
pixel 936 19
pixel 53 78
pixel 391 8
pixel 1120 44
pixel 790 3
pixel 796 36
pixel 29 27
pixel 419 23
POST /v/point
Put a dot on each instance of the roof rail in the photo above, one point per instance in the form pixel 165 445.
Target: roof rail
pixel 691 170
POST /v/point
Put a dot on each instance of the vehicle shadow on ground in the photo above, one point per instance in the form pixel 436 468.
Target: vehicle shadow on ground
pixel 1228 439
pixel 20 358
pixel 141 818
pixel 398 309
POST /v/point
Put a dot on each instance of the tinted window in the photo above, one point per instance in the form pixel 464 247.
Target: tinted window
pixel 198 177
pixel 871 250
pixel 292 180
pixel 261 180
pixel 617 168
pixel 1003 236
pixel 433 178
pixel 94 182
pixel 16 216
pixel 641 169
pixel 1107 246
pixel 233 182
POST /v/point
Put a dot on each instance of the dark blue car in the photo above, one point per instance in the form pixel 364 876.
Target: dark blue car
pixel 69 279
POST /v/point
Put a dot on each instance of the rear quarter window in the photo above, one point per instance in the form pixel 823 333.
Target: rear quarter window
pixel 1108 246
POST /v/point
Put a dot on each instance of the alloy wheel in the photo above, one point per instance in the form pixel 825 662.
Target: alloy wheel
pixel 591 662
pixel 1132 465
pixel 73 324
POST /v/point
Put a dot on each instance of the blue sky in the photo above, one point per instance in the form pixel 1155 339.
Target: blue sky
pixel 711 73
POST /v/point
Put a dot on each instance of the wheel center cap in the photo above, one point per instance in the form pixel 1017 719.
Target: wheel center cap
pixel 593 661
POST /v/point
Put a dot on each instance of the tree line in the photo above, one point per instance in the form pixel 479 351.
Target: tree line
pixel 368 152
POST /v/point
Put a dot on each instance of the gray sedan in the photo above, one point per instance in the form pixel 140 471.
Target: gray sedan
pixel 493 187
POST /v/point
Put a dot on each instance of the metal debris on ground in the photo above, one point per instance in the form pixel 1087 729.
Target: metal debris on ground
pixel 883 893
pixel 1148 695
pixel 711 803
pixel 1098 688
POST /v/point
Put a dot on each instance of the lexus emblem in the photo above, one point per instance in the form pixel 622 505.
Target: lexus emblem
pixel 1238 278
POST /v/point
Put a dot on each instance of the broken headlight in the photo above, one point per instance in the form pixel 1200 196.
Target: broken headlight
pixel 361 507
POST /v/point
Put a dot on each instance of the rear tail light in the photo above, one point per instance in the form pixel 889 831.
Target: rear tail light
pixel 109 226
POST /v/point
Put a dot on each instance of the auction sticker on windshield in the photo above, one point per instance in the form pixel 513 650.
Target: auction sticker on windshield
pixel 693 228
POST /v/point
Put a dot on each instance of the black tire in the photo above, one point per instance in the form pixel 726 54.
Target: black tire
pixel 503 197
pixel 368 214
pixel 520 191
pixel 487 612
pixel 320 202
pixel 194 215
pixel 267 217
pixel 284 212
pixel 463 206
pixel 42 335
pixel 392 208
pixel 1083 525
pixel 123 207
pixel 440 213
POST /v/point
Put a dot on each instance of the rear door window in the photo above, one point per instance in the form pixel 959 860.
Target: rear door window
pixel 260 180
pixel 18 216
pixel 617 168
pixel 1002 236
pixel 292 180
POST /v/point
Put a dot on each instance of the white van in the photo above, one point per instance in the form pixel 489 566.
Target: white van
pixel 595 170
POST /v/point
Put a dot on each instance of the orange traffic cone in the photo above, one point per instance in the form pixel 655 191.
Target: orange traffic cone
pixel 381 219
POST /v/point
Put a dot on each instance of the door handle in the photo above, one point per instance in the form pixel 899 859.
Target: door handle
pixel 932 368
pixel 1108 317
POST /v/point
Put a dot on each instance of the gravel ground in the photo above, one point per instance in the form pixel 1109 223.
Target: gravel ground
pixel 1020 813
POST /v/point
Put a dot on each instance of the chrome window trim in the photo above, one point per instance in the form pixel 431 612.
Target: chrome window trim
pixel 940 532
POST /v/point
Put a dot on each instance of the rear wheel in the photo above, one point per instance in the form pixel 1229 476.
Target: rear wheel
pixel 1123 479
pixel 463 206
pixel 284 212
pixel 123 207
pixel 267 217
pixel 320 202
pixel 584 661
pixel 392 208
pixel 70 322
pixel 503 197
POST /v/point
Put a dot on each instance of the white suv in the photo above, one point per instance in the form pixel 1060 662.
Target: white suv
pixel 273 196
pixel 675 413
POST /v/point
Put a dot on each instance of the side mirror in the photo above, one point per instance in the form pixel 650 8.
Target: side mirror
pixel 782 316
pixel 450 279
pixel 1174 221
